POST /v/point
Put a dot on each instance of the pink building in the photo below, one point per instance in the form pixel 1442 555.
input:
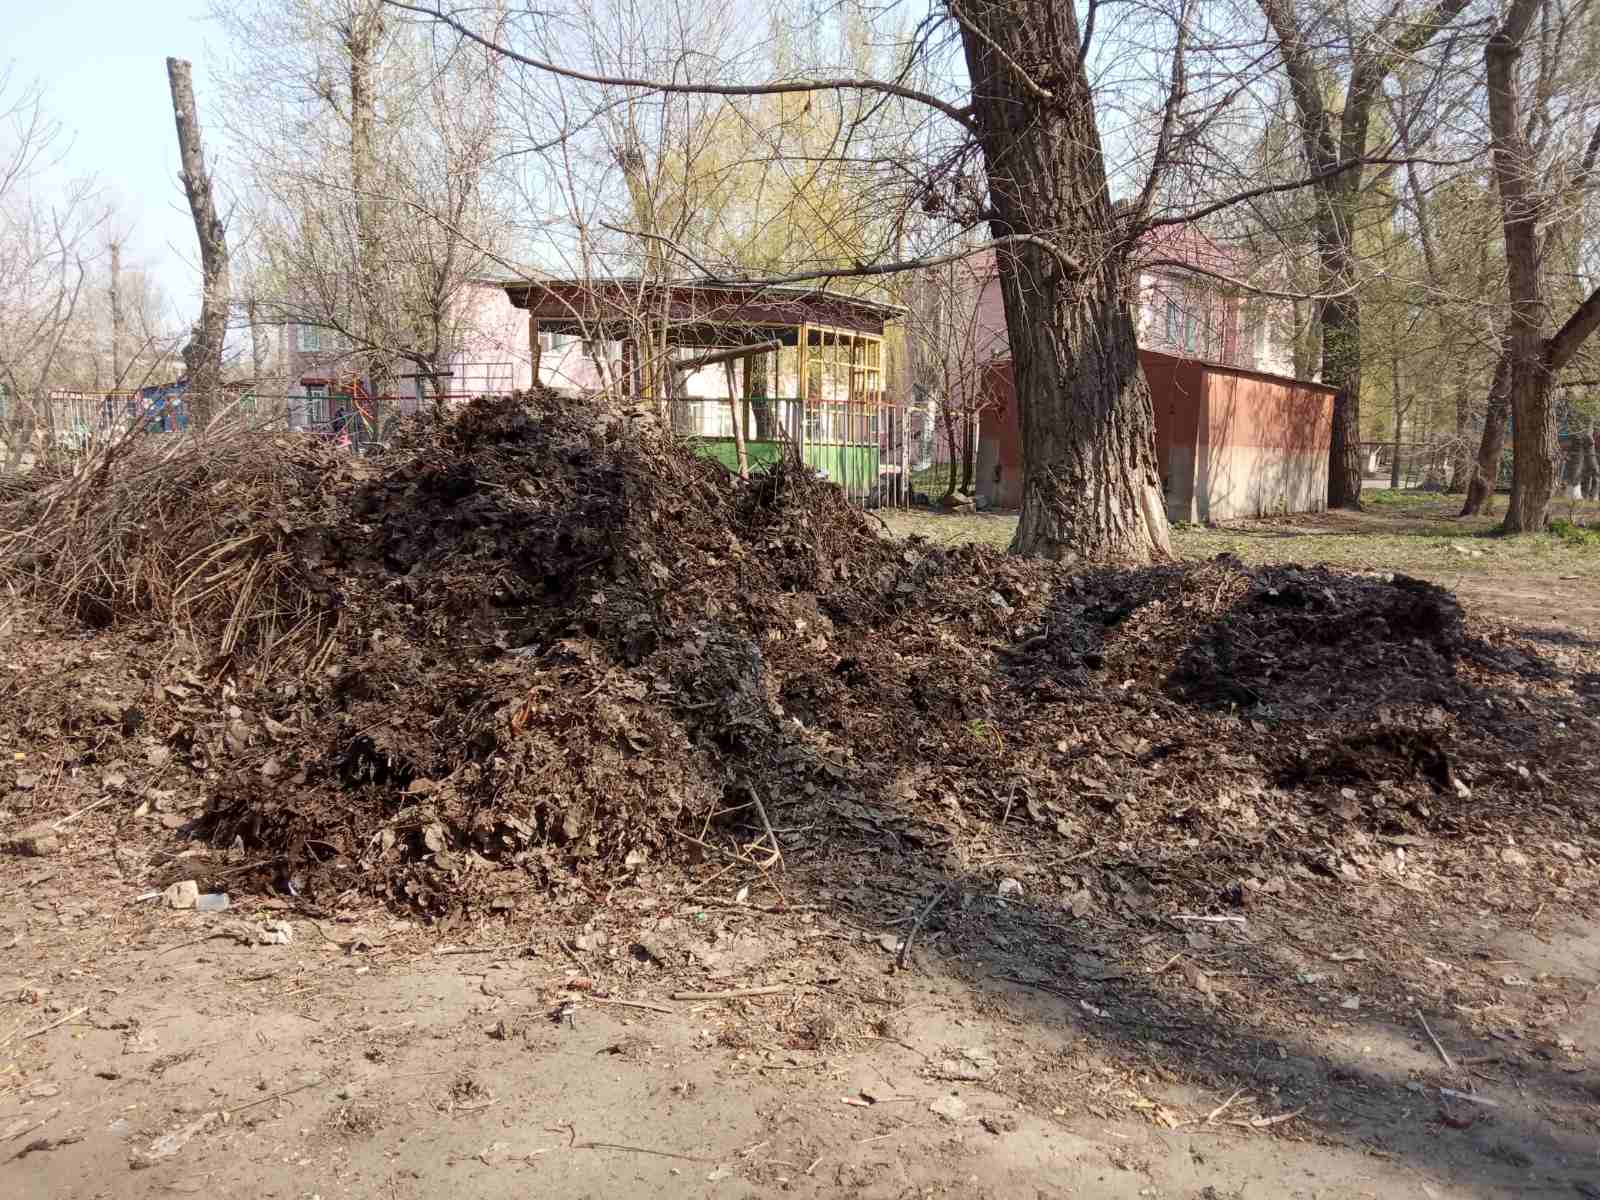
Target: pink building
pixel 492 357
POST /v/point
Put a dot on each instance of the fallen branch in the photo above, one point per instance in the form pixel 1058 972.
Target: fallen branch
pixel 1469 1097
pixel 71 1016
pixel 777 848
pixel 238 1108
pixel 640 1150
pixel 1221 1108
pixel 905 946
pixel 45 1143
pixel 644 1004
pixel 735 993
pixel 1449 1066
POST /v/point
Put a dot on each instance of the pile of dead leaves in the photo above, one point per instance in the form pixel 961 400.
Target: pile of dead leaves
pixel 554 638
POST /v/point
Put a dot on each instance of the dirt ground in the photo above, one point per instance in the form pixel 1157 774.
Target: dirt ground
pixel 370 1058
pixel 1207 881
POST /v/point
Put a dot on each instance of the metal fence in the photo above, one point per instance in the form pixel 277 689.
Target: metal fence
pixel 869 449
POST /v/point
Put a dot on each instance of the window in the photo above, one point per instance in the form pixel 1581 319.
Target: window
pixel 316 404
pixel 1174 322
pixel 1191 333
pixel 310 338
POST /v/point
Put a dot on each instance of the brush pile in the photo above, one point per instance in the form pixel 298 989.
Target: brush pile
pixel 548 637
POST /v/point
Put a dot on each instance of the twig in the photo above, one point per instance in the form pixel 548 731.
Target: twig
pixel 1221 1108
pixel 1212 920
pixel 707 882
pixel 1469 1097
pixel 777 847
pixel 1264 1122
pixel 71 1016
pixel 1448 1065
pixel 483 949
pixel 781 989
pixel 573 955
pixel 639 1150
pixel 238 1108
pixel 905 946
pixel 645 1004
pixel 45 1144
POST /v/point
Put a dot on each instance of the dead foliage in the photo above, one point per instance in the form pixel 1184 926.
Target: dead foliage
pixel 545 637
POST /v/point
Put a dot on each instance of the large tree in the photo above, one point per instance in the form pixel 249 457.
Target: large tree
pixel 1533 356
pixel 1337 73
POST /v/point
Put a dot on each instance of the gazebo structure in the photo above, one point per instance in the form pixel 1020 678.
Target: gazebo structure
pixel 801 368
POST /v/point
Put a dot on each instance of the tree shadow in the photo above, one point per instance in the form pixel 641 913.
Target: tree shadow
pixel 1259 835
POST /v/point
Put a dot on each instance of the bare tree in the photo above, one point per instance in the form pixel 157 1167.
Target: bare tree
pixel 46 244
pixel 1322 59
pixel 1532 359
pixel 203 354
pixel 367 153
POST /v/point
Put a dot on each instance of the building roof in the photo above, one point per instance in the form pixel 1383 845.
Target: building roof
pixel 700 310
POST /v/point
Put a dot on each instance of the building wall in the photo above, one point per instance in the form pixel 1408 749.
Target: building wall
pixel 1265 448
pixel 1229 442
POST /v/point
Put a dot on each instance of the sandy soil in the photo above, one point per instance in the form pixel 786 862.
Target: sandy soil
pixel 369 1057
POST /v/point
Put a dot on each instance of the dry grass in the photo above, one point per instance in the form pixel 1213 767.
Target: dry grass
pixel 183 534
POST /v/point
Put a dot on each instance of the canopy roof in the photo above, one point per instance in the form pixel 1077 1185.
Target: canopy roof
pixel 698 312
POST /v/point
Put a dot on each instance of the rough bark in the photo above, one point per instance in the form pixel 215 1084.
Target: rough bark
pixel 1486 468
pixel 203 354
pixel 1533 435
pixel 258 342
pixel 362 35
pixel 969 441
pixel 1091 489
pixel 1589 466
pixel 1332 137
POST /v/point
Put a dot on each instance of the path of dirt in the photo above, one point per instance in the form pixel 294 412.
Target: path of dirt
pixel 368 1059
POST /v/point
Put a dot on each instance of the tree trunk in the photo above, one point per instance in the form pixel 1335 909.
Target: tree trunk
pixel 116 315
pixel 203 355
pixel 258 343
pixel 1589 467
pixel 952 436
pixel 1533 433
pixel 735 402
pixel 1341 368
pixel 362 36
pixel 1486 471
pixel 1461 461
pixel 1090 487
pixel 969 466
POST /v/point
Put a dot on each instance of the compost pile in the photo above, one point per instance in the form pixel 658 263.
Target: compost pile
pixel 546 636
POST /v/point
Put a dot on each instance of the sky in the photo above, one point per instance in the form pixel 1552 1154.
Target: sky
pixel 103 63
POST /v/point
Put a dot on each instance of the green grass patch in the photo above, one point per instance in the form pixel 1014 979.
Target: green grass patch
pixel 1578 536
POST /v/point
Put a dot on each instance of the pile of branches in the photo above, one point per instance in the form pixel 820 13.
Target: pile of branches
pixel 194 536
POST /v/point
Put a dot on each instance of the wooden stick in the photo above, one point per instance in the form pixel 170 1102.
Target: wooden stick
pixel 238 1108
pixel 905 946
pixel 639 1150
pixel 735 993
pixel 480 949
pixel 71 1016
pixel 1449 1066
pixel 645 1004
pixel 1221 1108
pixel 777 847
